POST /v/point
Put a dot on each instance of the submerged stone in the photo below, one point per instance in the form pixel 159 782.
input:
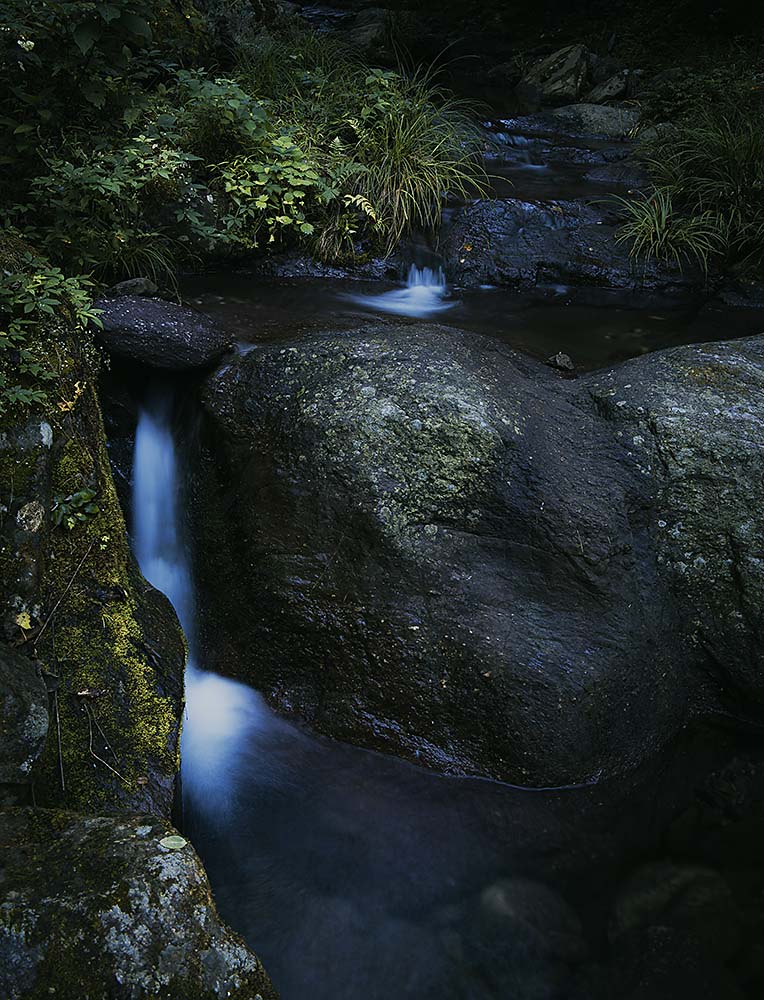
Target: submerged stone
pixel 160 334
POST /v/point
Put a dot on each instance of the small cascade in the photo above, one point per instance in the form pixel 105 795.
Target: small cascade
pixel 219 712
pixel 156 523
pixel 424 295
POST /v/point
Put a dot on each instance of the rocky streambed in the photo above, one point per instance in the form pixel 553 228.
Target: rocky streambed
pixel 410 537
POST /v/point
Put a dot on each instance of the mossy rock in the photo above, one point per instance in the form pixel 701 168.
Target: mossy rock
pixel 96 908
pixel 74 600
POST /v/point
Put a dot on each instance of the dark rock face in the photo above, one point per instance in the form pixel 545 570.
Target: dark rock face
pixel 693 419
pixel 99 908
pixel 91 697
pixel 524 244
pixel 422 542
pixel 23 721
pixel 160 334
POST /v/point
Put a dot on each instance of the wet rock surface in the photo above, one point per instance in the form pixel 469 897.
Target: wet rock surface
pixel 463 557
pixel 521 244
pixel 98 908
pixel 160 334
pixel 693 419
pixel 554 219
pixel 23 722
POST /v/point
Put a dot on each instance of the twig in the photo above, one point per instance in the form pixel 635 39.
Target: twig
pixel 92 751
pixel 58 717
pixel 66 591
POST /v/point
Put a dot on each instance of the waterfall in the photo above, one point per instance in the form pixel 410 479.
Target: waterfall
pixel 427 277
pixel 156 523
pixel 424 294
pixel 219 712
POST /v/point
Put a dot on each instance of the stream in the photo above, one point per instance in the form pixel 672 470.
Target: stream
pixel 339 865
pixel 353 874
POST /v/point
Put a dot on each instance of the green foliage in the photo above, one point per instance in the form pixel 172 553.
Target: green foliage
pixel 124 157
pixel 414 144
pixel 683 94
pixel 32 297
pixel 657 231
pixel 75 508
pixel 708 199
pixel 715 166
pixel 74 63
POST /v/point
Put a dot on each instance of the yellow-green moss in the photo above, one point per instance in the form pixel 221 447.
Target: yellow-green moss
pixel 102 631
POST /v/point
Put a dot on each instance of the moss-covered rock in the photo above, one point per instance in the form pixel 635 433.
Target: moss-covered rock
pixel 693 418
pixel 72 600
pixel 97 908
pixel 422 542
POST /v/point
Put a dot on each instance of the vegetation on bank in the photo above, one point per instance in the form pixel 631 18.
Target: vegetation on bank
pixel 703 145
pixel 140 137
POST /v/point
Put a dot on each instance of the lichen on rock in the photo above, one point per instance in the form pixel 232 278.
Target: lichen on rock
pixel 97 908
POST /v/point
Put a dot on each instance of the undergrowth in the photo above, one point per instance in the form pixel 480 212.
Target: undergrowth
pixel 707 200
pixel 138 138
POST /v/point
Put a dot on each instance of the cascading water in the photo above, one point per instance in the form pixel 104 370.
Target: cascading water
pixel 424 294
pixel 218 711
pixel 156 525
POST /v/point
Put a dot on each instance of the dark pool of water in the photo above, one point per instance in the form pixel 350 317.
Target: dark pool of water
pixel 595 327
pixel 357 876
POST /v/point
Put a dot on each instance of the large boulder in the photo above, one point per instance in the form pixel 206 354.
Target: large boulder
pixel 100 908
pixel 160 334
pixel 615 87
pixel 370 32
pixel 422 542
pixel 693 419
pixel 558 78
pixel 616 122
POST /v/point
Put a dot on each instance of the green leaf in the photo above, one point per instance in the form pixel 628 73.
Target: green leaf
pixel 136 25
pixel 86 35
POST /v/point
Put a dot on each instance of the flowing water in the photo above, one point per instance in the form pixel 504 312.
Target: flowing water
pixel 357 875
pixel 596 327
pixel 424 295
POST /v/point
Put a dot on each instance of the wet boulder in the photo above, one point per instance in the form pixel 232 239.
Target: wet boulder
pixel 614 122
pixel 693 419
pixel 611 89
pixel 523 244
pixel 160 334
pixel 422 542
pixel 97 907
pixel 371 32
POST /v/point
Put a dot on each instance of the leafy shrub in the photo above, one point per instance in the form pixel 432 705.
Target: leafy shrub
pixel 126 158
pixel 414 145
pixel 79 63
pixel 33 295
